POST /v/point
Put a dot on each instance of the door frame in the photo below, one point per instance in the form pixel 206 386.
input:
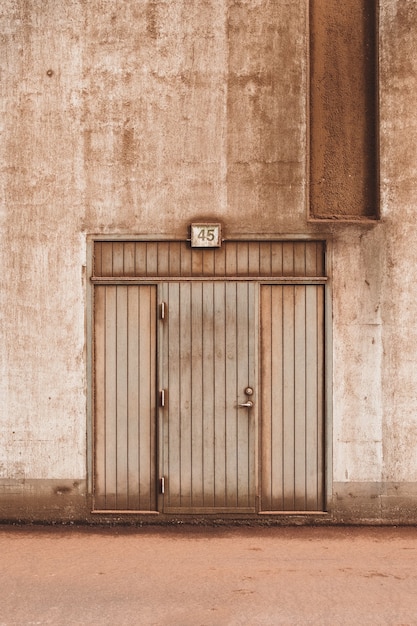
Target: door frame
pixel 87 276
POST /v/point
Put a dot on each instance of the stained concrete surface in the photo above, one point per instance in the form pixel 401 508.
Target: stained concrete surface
pixel 199 576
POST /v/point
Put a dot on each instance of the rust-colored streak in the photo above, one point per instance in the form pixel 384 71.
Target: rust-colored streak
pixel 343 109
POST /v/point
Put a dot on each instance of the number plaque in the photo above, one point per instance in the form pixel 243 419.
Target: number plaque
pixel 206 236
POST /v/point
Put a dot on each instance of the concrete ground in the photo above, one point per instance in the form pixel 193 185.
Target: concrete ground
pixel 198 576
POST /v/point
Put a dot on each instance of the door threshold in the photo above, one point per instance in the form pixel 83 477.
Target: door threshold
pixel 213 510
pixel 122 512
pixel 292 513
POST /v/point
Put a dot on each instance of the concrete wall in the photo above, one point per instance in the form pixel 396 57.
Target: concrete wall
pixel 122 117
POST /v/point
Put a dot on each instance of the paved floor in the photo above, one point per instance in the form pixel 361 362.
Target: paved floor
pixel 193 576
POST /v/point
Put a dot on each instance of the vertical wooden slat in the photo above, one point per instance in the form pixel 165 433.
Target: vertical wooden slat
pixel 97 271
pixel 174 259
pixel 163 258
pixel 118 249
pixel 196 262
pixel 313 393
pixel 242 250
pixel 140 259
pixel 151 358
pixel 219 399
pixel 186 268
pixel 231 259
pixel 173 396
pixel 186 382
pixel 288 258
pixel 107 259
pixel 254 259
pixel 300 373
pixel 147 394
pixel 266 412
pixel 320 394
pixel 288 396
pixel 265 258
pixel 207 396
pixel 152 259
pixel 220 261
pixel 121 397
pixel 208 262
pixel 111 398
pixel 196 394
pixel 100 397
pixel 133 398
pixel 231 412
pixel 300 258
pixel 276 258
pixel 312 250
pixel 321 266
pixel 276 335
pixel 272 444
pixel 129 258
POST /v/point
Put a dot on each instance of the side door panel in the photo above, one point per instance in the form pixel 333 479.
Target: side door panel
pixel 125 397
pixel 292 403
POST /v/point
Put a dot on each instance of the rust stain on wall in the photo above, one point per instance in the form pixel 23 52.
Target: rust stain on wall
pixel 343 109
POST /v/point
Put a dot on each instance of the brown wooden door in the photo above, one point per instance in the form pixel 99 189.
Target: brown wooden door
pixel 208 342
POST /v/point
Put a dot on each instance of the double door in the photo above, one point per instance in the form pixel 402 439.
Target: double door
pixel 209 397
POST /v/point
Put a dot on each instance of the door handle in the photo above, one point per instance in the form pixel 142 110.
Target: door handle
pixel 248 404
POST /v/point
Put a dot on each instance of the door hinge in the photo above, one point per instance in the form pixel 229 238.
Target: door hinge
pixel 162 397
pixel 162 310
pixel 162 484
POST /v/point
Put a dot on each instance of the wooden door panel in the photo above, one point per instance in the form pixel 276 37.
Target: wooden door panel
pixel 125 393
pixel 292 420
pixel 208 344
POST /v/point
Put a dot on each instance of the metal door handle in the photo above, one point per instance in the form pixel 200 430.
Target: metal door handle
pixel 248 404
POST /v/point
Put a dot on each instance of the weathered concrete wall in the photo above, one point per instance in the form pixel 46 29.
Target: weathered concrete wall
pixel 187 115
pixel 42 249
pixel 375 365
pixel 124 117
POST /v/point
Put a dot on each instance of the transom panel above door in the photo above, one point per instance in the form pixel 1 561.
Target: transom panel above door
pixel 209 377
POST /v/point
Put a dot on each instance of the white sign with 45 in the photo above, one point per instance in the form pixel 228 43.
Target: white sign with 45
pixel 206 236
